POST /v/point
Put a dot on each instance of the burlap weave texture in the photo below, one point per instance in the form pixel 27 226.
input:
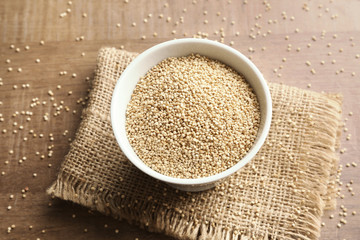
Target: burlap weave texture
pixel 281 194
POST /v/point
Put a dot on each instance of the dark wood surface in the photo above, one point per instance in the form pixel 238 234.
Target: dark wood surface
pixel 331 27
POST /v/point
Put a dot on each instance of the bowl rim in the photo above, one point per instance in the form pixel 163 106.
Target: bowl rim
pixel 129 153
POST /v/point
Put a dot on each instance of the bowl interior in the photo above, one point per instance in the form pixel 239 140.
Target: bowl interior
pixel 176 48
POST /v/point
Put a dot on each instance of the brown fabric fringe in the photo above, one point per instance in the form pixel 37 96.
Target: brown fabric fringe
pixel 280 194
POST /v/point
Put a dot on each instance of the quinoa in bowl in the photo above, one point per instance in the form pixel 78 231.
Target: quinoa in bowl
pixel 191 112
pixel 192 117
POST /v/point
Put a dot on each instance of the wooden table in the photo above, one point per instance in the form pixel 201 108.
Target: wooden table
pixel 279 36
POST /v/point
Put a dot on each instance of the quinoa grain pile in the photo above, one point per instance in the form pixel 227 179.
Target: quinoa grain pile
pixel 192 117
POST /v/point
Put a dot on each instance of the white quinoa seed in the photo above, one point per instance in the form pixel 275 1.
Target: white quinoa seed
pixel 174 122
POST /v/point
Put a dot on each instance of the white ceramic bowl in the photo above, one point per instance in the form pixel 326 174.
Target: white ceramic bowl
pixel 176 48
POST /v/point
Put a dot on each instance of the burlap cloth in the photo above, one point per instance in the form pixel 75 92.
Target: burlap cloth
pixel 281 194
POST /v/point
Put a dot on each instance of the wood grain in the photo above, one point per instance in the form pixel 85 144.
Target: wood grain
pixel 274 51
